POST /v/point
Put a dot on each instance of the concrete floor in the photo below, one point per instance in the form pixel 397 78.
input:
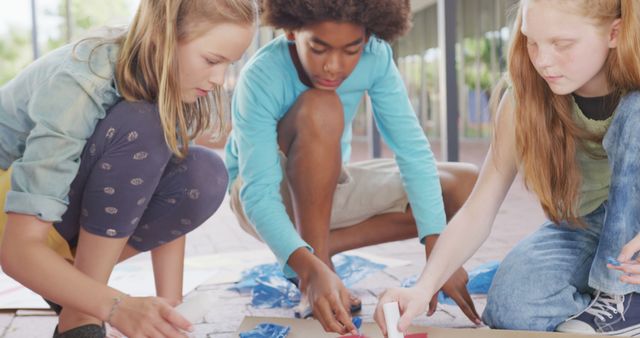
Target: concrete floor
pixel 519 216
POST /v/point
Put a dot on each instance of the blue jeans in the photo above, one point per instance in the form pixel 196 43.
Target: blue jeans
pixel 551 275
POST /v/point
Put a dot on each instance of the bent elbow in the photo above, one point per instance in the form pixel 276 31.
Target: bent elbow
pixel 5 259
pixel 9 258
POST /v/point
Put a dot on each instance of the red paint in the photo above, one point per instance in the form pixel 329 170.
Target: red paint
pixel 413 335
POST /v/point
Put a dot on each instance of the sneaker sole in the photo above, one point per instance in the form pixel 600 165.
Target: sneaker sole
pixel 629 332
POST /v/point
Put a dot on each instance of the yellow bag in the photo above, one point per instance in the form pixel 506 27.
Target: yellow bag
pixel 54 240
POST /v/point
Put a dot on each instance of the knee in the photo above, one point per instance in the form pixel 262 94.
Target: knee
pixel 507 310
pixel 320 114
pixel 457 181
pixel 133 125
pixel 505 307
pixel 207 179
pixel 134 114
pixel 502 310
pixel 522 299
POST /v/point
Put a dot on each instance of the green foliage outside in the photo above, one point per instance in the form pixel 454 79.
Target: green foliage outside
pixel 480 50
pixel 15 53
pixel 89 15
pixel 475 68
pixel 16 50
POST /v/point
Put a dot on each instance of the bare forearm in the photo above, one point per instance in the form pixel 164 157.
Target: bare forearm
pixel 429 244
pixel 303 262
pixel 168 269
pixel 27 258
pixel 318 239
pixel 471 226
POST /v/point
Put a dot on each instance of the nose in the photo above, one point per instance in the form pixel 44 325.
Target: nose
pixel 218 74
pixel 543 57
pixel 333 63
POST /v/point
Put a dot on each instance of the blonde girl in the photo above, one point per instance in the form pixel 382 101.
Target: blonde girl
pixel 96 165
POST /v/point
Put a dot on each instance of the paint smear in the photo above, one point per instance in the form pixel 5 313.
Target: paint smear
pixel 413 335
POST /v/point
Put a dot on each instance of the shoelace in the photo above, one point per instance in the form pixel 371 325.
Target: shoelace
pixel 604 305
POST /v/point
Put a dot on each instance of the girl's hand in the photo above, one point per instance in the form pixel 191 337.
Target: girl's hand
pixel 412 302
pixel 628 265
pixel 142 317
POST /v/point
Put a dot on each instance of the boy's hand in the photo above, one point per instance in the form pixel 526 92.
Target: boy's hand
pixel 628 265
pixel 456 288
pixel 329 300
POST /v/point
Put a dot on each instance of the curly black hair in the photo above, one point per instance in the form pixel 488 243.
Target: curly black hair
pixel 386 19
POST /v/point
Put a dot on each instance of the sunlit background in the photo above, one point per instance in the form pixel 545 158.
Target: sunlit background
pixel 482 32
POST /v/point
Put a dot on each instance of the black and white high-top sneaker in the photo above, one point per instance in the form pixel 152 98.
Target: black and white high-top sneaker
pixel 608 315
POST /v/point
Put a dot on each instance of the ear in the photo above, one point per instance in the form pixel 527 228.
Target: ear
pixel 614 33
pixel 290 35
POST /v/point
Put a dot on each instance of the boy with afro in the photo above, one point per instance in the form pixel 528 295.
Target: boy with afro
pixel 292 185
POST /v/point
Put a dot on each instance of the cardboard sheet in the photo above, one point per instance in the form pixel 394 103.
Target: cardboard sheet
pixel 302 328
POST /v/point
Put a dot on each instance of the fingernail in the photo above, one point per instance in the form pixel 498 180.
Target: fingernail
pixel 613 261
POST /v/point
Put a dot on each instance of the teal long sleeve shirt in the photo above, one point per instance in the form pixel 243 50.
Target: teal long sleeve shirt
pixel 269 86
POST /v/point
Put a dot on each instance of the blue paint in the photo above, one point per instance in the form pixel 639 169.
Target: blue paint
pixel 267 330
pixel 613 261
pixel 357 322
pixel 479 283
pixel 270 289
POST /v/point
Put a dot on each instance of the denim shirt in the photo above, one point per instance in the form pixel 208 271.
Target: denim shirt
pixel 47 113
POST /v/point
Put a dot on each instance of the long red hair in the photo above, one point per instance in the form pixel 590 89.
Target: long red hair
pixel 547 138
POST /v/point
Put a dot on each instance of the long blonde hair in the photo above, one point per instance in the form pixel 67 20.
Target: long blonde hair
pixel 147 67
pixel 547 138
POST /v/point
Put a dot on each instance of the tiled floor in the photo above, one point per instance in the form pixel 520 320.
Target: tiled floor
pixel 519 216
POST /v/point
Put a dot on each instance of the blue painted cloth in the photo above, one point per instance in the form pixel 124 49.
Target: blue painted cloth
pixel 479 281
pixel 267 330
pixel 270 289
pixel 274 292
pixel 357 322
pixel 353 269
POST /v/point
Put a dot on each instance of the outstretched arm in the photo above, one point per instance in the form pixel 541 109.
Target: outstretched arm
pixel 468 229
pixel 26 257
